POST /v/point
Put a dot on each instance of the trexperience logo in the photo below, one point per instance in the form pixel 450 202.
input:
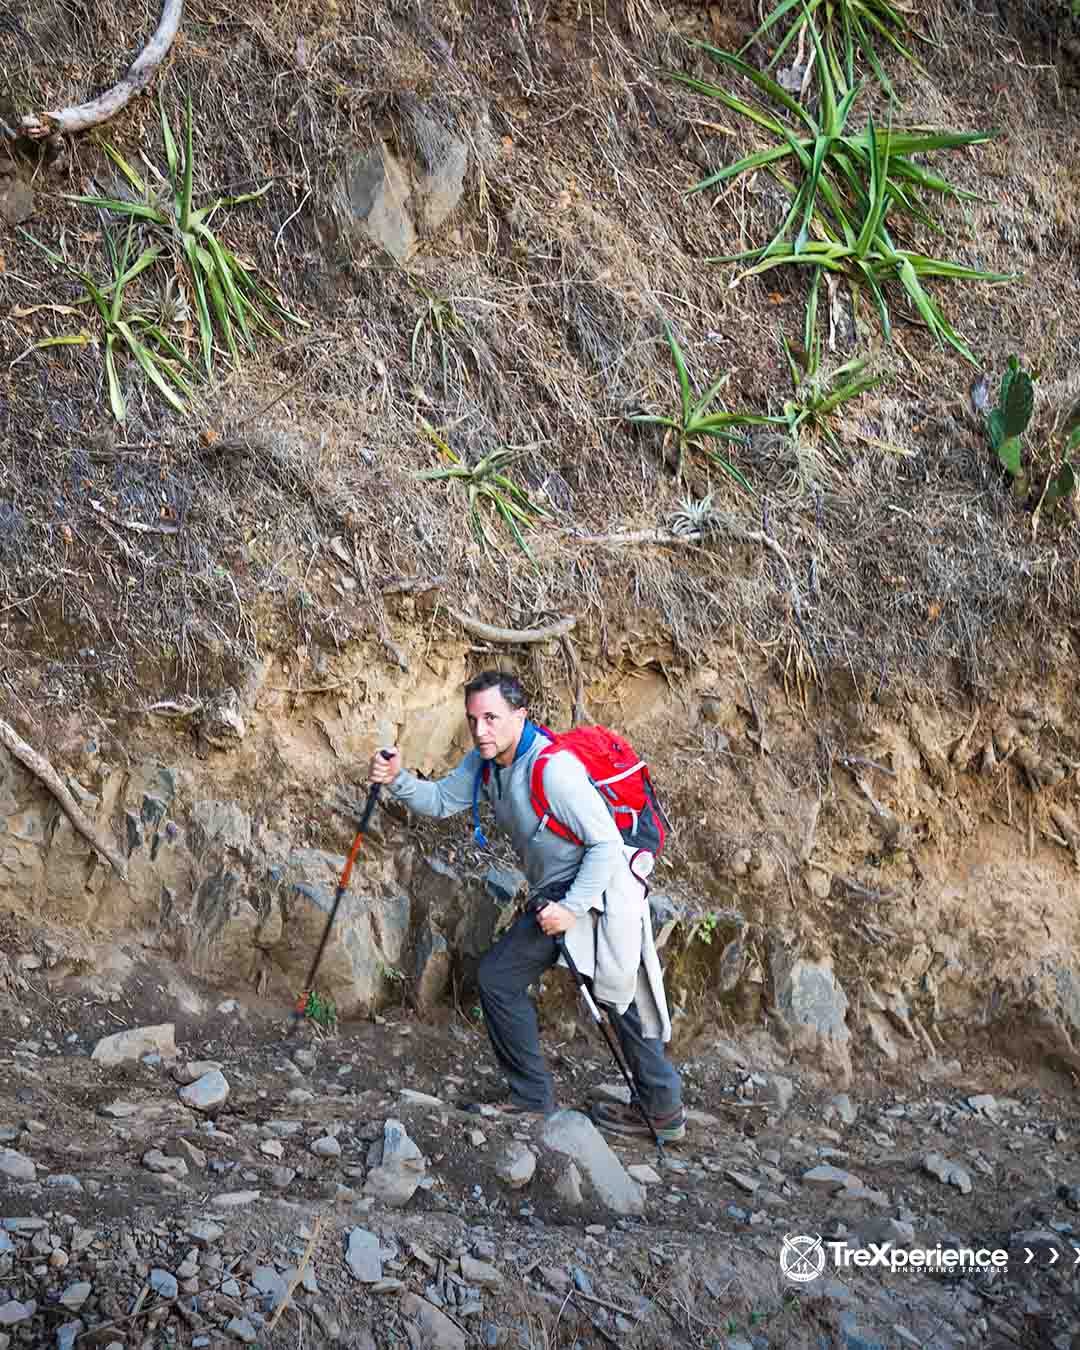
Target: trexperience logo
pixel 804 1258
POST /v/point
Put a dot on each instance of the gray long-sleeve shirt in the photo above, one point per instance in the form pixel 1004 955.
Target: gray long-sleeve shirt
pixel 546 859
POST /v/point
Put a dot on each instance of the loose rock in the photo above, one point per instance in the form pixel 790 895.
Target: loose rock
pixel 207 1093
pixel 397 1166
pixel 515 1164
pixel 948 1172
pixel 437 1332
pixel 75 1295
pixel 364 1256
pixel 17 1166
pixel 574 1136
pixel 131 1045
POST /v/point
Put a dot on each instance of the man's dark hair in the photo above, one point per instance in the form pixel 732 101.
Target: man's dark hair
pixel 508 685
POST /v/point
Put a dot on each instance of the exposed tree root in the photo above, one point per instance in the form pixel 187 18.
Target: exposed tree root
pixel 83 116
pixel 40 767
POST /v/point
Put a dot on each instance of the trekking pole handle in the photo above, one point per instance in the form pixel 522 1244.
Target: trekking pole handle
pixel 373 795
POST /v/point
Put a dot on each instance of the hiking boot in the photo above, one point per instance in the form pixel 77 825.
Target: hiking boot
pixel 615 1118
pixel 506 1110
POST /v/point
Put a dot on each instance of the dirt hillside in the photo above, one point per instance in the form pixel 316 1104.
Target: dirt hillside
pixel 853 671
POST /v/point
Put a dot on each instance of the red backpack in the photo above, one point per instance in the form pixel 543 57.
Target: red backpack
pixel 618 774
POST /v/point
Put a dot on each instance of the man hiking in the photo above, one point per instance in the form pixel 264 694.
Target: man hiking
pixel 585 893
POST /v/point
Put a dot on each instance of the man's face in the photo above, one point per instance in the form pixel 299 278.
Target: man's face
pixel 496 727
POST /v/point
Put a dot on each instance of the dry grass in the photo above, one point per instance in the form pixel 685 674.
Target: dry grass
pixel 574 242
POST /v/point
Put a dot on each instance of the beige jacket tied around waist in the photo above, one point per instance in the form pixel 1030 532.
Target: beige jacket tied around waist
pixel 612 941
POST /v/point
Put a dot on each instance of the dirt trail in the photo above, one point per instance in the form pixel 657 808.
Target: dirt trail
pixel 699 1268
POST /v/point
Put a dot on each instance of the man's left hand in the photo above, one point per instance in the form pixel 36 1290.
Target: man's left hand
pixel 555 919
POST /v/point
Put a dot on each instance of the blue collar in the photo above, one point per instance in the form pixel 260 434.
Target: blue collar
pixel 529 732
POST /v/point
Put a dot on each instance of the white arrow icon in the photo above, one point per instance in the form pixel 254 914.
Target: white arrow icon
pixel 1077 1251
pixel 1054 1254
pixel 1030 1256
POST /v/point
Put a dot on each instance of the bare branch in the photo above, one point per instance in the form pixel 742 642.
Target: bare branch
pixel 83 116
pixel 512 636
pixel 40 767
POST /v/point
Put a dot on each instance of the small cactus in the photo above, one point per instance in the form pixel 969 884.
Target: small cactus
pixel 1009 420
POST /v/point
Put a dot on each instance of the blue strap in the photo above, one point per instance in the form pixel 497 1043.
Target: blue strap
pixel 528 735
pixel 478 833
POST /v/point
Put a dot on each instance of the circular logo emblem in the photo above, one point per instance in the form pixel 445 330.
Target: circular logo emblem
pixel 802 1259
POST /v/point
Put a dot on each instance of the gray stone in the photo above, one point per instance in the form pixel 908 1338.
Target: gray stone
pixel 480 1272
pixel 13 1312
pixel 409 1097
pixel 204 1231
pixel 240 1329
pixel 354 962
pixel 778 1090
pixel 896 1231
pixel 223 825
pixel 648 1176
pixel 515 1164
pixel 63 1181
pixel 16 201
pixel 811 1001
pixel 192 1153
pixel 432 971
pixel 948 1172
pixel 163 1282
pixel 856 1337
pixel 126 1046
pixel 17 1166
pixel 397 1166
pixel 744 1183
pixel 75 1295
pixel 219 722
pixel 67 1333
pixel 156 1161
pixel 375 192
pixel 843 1106
pixel 208 1093
pixel 437 1332
pixel 194 1069
pixel 567 1187
pixel 444 160
pixel 505 884
pixel 235 1199
pixel 326 1147
pixel 363 1256
pixel 575 1137
pixel 831 1178
pixel 269 1283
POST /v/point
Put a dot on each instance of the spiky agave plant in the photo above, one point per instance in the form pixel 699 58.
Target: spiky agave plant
pixel 693 426
pixel 850 28
pixel 226 290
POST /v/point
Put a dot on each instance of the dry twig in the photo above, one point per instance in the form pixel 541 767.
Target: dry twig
pixel 298 1276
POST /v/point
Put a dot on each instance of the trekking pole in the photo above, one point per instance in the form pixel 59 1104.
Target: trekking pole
pixel 602 1022
pixel 343 886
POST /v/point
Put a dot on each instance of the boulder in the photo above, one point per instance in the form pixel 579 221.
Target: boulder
pixel 573 1138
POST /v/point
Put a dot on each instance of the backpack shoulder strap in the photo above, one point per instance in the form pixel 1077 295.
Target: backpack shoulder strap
pixel 539 798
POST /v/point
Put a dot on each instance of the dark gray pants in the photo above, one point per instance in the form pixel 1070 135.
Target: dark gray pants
pixel 516 961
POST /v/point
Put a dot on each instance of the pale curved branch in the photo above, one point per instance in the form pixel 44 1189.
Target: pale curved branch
pixel 83 116
pixel 513 635
pixel 40 767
